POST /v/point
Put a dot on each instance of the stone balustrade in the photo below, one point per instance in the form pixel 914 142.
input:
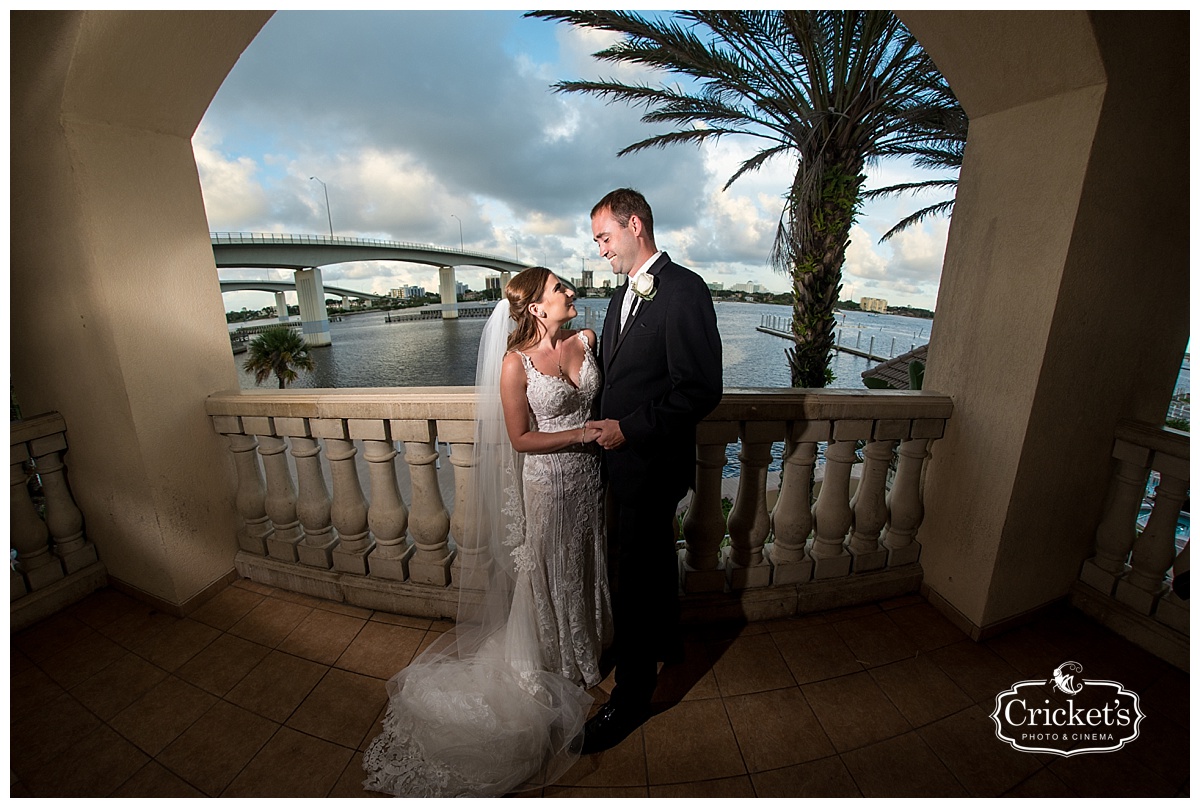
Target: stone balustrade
pixel 52 561
pixel 1130 566
pixel 310 525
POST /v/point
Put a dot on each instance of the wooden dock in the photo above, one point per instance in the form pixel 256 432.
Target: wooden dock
pixel 855 351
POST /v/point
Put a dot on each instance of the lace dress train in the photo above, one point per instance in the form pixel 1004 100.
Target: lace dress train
pixel 504 714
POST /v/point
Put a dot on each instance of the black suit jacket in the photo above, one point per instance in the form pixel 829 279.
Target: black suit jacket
pixel 662 375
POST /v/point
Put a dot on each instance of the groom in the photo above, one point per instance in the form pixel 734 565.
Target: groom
pixel 661 357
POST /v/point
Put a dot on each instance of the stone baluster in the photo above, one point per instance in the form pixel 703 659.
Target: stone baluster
pixel 1118 522
pixel 792 521
pixel 349 512
pixel 906 507
pixel 870 508
pixel 280 501
pixel 63 517
pixel 832 516
pixel 472 560
pixel 314 506
pixel 704 522
pixel 30 536
pixel 251 491
pixel 387 516
pixel 1154 549
pixel 1173 610
pixel 749 522
pixel 428 519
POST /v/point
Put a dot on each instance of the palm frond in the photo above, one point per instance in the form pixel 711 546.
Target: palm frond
pixel 909 187
pixel 941 208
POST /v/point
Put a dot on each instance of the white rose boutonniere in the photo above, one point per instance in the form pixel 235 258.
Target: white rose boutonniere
pixel 645 286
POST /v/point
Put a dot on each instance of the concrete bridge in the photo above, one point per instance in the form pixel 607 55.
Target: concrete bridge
pixel 307 254
pixel 287 286
pixel 281 287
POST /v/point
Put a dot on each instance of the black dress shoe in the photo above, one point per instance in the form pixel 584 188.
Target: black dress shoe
pixel 609 726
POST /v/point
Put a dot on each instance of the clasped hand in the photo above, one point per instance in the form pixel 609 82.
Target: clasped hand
pixel 609 434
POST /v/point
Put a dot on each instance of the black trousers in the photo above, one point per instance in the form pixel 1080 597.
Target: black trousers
pixel 645 591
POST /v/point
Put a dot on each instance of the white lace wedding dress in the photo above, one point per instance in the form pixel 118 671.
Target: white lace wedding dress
pixel 496 708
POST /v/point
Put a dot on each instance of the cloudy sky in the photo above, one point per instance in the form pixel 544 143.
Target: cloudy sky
pixel 420 123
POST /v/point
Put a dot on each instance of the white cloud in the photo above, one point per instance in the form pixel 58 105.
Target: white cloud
pixel 232 195
pixel 422 123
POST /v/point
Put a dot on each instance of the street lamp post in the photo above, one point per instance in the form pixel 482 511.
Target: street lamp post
pixel 328 213
pixel 460 237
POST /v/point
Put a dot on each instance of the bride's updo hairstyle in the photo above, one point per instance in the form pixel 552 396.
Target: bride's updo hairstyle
pixel 523 290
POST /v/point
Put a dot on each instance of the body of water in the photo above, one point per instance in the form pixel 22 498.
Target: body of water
pixel 369 352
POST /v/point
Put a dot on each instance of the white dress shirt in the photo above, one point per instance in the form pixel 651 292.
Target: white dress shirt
pixel 630 301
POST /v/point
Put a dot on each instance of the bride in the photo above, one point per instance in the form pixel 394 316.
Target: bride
pixel 497 704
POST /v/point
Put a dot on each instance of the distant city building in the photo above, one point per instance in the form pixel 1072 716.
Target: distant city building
pixel 749 286
pixel 716 287
pixel 460 289
pixel 587 278
pixel 607 283
pixel 494 282
pixel 407 292
pixel 873 304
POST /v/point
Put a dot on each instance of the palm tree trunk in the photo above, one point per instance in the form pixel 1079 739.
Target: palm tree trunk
pixel 817 271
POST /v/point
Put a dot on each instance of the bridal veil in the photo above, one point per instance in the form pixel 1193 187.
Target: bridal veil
pixel 476 713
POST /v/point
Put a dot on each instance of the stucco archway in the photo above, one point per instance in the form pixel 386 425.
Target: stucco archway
pixel 1051 217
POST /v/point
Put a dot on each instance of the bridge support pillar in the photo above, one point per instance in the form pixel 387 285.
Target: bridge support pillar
pixel 449 292
pixel 505 277
pixel 313 320
pixel 281 312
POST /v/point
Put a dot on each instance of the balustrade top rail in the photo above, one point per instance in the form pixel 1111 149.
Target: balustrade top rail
pixel 37 426
pixel 340 241
pixel 458 403
pixel 1161 440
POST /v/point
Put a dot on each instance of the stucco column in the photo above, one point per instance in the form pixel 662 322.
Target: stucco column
pixel 448 291
pixel 311 293
pixel 102 160
pixel 281 310
pixel 1064 293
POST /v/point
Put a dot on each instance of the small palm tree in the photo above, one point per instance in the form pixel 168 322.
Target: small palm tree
pixel 280 350
pixel 830 90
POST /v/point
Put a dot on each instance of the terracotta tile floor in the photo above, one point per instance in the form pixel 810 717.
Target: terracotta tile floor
pixel 266 693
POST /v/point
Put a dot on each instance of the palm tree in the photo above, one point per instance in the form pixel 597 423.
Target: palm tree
pixel 829 89
pixel 946 127
pixel 280 350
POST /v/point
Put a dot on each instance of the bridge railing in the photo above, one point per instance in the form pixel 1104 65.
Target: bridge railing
pixel 286 238
pixel 321 478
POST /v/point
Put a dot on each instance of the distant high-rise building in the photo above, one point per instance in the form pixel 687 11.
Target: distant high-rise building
pixel 493 282
pixel 587 278
pixel 874 304
pixel 407 292
pixel 749 286
pixel 716 287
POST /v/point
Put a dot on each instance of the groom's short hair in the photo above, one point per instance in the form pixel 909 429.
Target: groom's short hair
pixel 626 202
